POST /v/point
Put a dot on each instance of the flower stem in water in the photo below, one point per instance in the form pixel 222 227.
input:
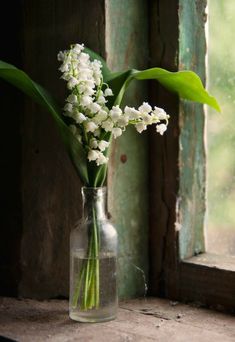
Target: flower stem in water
pixel 87 290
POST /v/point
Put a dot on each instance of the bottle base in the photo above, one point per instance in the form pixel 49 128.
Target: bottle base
pixel 83 318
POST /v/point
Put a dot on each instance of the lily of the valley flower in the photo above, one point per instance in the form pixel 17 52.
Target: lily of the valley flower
pixel 86 106
pixel 161 128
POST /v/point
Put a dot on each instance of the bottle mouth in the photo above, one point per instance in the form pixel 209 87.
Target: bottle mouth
pixel 94 188
pixel 94 191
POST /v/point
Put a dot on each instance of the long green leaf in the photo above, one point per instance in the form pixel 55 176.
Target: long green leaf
pixel 22 81
pixel 186 84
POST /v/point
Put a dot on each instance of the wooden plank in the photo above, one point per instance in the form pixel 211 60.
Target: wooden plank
pixel 192 50
pixel 138 320
pixel 10 151
pixel 127 47
pixel 223 262
pixel 208 279
pixel 50 187
pixel 163 156
pixel 178 163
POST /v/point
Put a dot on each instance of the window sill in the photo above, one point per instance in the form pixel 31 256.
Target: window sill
pixel 222 262
pixel 209 279
pixel 138 320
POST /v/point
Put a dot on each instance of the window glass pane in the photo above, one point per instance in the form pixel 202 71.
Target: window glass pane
pixel 221 128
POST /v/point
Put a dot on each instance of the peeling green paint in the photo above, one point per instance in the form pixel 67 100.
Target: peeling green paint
pixel 192 49
pixel 126 47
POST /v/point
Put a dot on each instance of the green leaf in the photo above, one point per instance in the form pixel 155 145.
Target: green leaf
pixel 118 82
pixel 186 84
pixel 21 80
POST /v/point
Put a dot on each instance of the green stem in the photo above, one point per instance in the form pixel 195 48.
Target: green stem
pixel 97 265
pixel 78 288
pixel 88 268
pixel 89 274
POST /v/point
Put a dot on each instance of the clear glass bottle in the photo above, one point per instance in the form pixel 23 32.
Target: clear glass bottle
pixel 93 262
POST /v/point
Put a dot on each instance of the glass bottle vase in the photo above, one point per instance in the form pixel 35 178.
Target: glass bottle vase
pixel 93 262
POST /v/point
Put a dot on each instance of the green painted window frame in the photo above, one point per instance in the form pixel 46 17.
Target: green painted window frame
pixel 180 267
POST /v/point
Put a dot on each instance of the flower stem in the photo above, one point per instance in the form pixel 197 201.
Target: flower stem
pixel 88 279
pixel 97 265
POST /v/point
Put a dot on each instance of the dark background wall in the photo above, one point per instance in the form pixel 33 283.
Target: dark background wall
pixel 40 192
pixel 10 151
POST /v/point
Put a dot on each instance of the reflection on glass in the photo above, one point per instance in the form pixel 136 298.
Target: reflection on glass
pixel 221 128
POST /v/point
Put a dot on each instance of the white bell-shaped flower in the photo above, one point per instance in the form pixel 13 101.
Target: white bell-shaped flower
pixel 145 108
pixel 93 155
pixel 90 126
pixel 107 125
pixel 161 128
pixel 103 145
pixel 117 132
pixel 140 127
pixel 101 159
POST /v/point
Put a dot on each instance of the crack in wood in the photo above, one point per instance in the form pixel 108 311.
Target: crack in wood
pixel 148 312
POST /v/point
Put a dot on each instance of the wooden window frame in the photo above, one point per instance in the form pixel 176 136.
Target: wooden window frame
pixel 180 268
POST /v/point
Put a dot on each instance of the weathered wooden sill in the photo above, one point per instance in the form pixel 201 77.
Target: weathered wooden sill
pixel 151 319
pixel 222 262
pixel 209 279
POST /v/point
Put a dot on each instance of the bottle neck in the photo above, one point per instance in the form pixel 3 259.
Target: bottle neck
pixel 94 203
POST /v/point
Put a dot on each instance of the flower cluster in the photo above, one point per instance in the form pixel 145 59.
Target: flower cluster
pixel 91 121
